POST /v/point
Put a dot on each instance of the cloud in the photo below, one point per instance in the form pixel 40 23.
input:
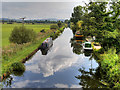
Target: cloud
pixel 76 86
pixel 21 84
pixel 61 86
pixel 38 10
pixel 25 83
pixel 58 85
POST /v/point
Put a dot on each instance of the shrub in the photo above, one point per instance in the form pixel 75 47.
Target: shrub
pixel 110 66
pixel 43 31
pixel 18 66
pixel 59 24
pixel 54 27
pixel 22 35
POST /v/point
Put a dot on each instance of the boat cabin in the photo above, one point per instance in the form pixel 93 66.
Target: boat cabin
pixel 47 43
pixel 87 46
pixel 78 36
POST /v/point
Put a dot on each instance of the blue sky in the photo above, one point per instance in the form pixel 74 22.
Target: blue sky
pixel 39 10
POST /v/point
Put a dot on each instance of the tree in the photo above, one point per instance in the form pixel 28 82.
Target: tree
pixel 22 35
pixel 77 14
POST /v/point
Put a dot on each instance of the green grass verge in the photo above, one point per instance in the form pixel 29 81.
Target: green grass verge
pixel 7 29
pixel 20 55
pixel 26 50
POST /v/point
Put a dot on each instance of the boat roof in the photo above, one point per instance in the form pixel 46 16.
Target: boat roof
pixel 48 39
pixel 87 42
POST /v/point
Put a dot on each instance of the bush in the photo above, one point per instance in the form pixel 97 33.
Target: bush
pixel 54 27
pixel 110 66
pixel 22 35
pixel 18 66
pixel 59 24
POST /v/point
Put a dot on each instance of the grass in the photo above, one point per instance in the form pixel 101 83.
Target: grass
pixel 15 53
pixel 7 29
pixel 20 55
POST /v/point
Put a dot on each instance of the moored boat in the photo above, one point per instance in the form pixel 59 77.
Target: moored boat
pixel 47 43
pixel 79 37
pixel 87 46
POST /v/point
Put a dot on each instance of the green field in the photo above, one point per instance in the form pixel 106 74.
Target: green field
pixel 7 28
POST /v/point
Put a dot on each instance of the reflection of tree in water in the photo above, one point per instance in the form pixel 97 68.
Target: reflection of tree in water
pixel 87 53
pixel 18 73
pixel 77 47
pixel 91 78
pixel 8 82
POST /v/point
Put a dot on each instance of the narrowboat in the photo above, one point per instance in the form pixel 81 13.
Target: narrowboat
pixel 79 37
pixel 87 46
pixel 47 43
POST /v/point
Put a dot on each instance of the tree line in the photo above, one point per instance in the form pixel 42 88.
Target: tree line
pixel 10 21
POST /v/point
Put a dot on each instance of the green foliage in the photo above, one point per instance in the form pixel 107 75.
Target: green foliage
pixel 55 35
pixel 8 28
pixel 110 67
pixel 104 24
pixel 99 22
pixel 54 27
pixel 18 66
pixel 22 35
pixel 59 24
pixel 77 14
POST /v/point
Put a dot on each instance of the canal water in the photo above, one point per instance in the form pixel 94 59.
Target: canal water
pixel 58 67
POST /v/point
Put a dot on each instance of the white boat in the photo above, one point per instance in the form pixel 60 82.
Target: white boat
pixel 87 46
pixel 47 43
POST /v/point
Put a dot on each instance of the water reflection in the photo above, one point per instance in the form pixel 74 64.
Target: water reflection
pixel 18 73
pixel 87 53
pixel 8 81
pixel 93 78
pixel 58 68
pixel 77 47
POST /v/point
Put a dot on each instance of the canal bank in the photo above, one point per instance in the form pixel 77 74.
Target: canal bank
pixel 57 69
pixel 26 52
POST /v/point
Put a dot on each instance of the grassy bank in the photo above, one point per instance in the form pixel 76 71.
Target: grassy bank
pixel 16 53
pixel 109 63
pixel 7 29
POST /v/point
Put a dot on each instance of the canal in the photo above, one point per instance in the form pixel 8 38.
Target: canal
pixel 62 66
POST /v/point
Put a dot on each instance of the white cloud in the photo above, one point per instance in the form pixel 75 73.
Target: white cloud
pixel 20 84
pixel 61 85
pixel 58 85
pixel 76 86
pixel 38 10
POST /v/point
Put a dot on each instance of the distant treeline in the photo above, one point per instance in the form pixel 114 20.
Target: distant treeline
pixel 29 21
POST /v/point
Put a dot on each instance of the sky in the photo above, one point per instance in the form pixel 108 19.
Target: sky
pixel 59 9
